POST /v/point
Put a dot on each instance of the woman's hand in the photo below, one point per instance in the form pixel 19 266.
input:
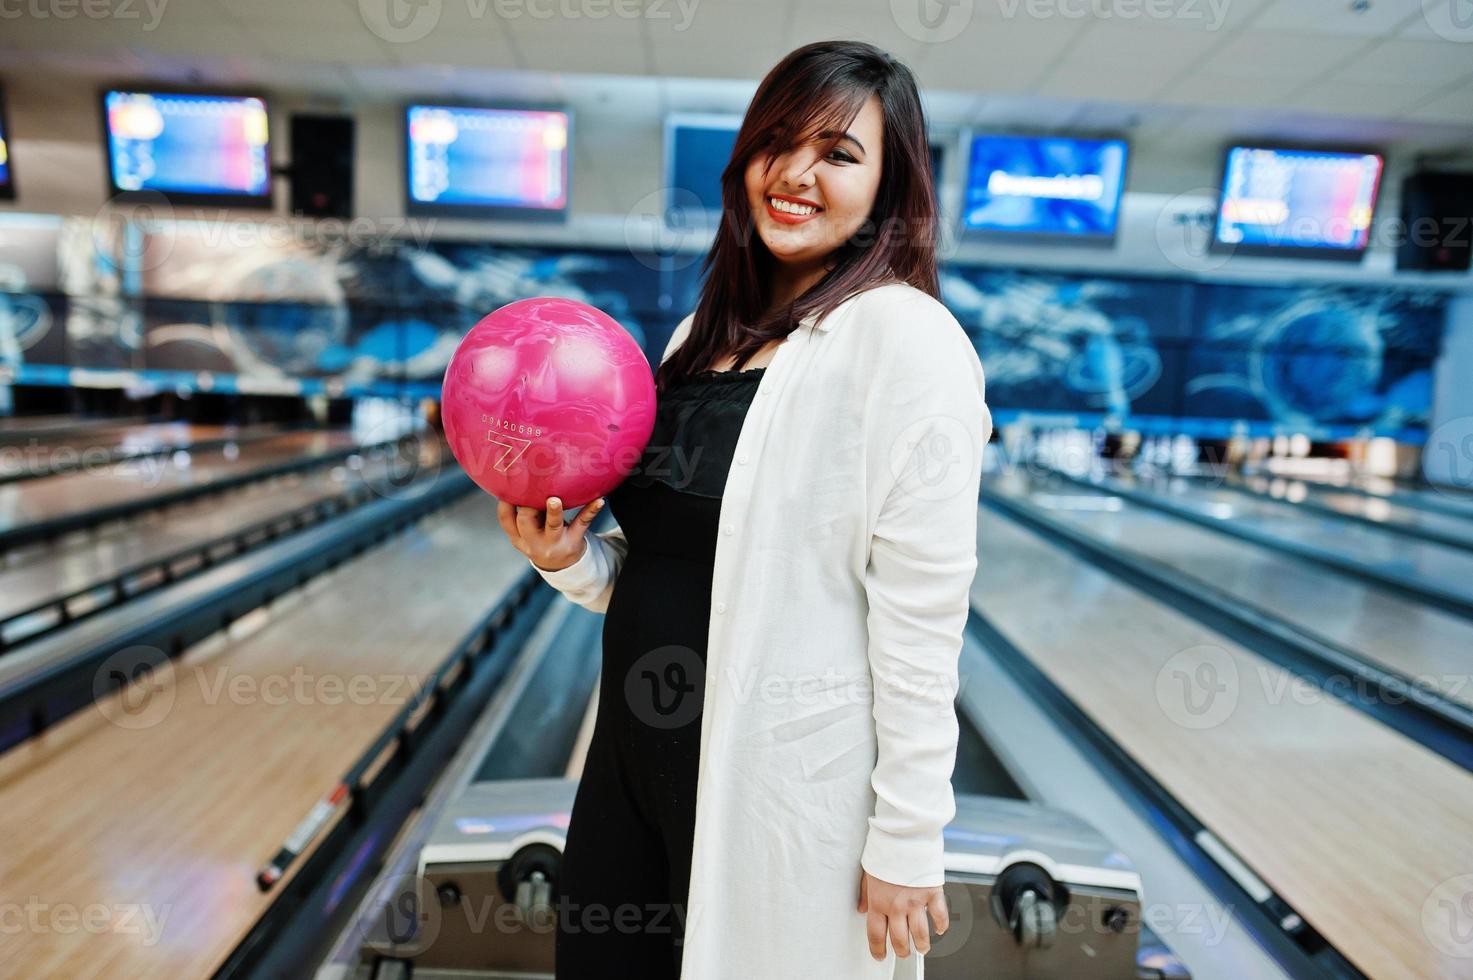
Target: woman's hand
pixel 901 912
pixel 543 536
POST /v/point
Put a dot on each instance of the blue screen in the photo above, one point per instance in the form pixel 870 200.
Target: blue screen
pixel 189 144
pixel 497 158
pixel 4 158
pixel 700 147
pixel 1275 198
pixel 1044 185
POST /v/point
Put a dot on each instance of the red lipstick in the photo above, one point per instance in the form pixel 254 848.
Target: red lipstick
pixel 783 216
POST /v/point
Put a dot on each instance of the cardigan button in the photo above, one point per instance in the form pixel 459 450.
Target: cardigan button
pixel 727 530
pixel 721 607
pixel 742 459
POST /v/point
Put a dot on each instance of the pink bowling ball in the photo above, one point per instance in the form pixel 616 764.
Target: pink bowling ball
pixel 548 397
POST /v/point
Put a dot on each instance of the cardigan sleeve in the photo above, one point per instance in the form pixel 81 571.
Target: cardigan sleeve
pixel 928 424
pixel 589 581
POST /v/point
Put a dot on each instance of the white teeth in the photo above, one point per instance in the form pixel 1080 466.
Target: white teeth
pixel 789 207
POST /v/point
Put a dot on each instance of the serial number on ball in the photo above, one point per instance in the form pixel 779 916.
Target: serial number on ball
pixel 508 425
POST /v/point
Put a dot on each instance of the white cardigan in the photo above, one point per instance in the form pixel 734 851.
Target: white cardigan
pixel 840 589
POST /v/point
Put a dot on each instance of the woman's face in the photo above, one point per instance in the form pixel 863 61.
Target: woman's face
pixel 808 203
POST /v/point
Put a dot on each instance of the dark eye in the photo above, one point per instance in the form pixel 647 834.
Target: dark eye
pixel 842 156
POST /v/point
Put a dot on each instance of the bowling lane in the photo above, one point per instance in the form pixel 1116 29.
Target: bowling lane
pixel 25 423
pixel 1384 511
pixel 160 805
pixel 1405 637
pixel 28 426
pixel 1311 795
pixel 46 572
pixel 1421 563
pixel 1452 501
pixel 69 450
pixel 49 498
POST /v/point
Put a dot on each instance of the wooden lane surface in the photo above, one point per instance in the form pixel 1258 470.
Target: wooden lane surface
pixel 24 453
pixel 159 821
pixel 70 450
pixel 1354 825
pixel 24 426
pixel 73 430
pixel 1384 628
pixel 1431 565
pixel 1386 511
pixel 1454 500
pixel 26 423
pixel 45 571
pixel 46 498
pixel 102 435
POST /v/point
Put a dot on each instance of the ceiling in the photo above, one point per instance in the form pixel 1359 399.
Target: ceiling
pixel 1175 75
pixel 1394 59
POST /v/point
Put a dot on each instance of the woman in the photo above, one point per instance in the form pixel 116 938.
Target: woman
pixel 769 775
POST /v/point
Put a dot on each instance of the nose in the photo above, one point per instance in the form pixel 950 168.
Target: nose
pixel 796 168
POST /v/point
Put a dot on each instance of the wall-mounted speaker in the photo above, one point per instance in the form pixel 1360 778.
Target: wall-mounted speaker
pixel 1437 222
pixel 322 166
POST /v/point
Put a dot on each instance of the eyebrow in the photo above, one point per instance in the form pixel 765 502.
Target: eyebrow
pixel 847 136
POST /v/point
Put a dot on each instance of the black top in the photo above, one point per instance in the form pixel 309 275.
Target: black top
pixel 656 625
pixel 697 422
pixel 632 830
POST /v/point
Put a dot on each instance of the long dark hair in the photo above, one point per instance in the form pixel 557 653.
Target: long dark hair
pixel 818 88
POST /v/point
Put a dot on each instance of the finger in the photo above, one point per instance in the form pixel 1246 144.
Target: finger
pixel 874 927
pixel 554 514
pixel 900 935
pixel 863 892
pixel 940 914
pixel 588 513
pixel 920 933
pixel 529 521
pixel 506 514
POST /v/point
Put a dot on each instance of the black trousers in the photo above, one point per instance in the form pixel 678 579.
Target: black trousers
pixel 621 892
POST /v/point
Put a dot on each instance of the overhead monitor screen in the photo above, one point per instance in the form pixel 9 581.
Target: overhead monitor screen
pixel 189 147
pixel 1046 186
pixel 1309 203
pixel 475 161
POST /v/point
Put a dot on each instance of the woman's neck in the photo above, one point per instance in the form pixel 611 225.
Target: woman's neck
pixel 789 283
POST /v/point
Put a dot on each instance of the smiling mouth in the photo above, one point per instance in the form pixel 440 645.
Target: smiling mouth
pixel 791 207
pixel 790 212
